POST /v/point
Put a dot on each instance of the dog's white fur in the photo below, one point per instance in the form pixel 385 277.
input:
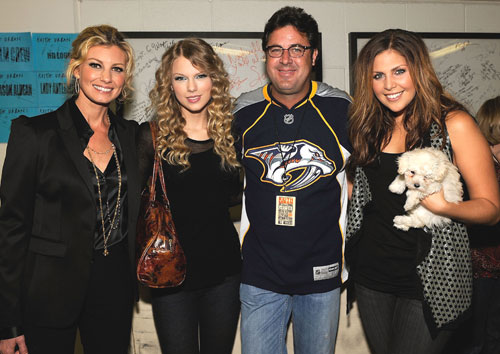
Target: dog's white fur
pixel 423 172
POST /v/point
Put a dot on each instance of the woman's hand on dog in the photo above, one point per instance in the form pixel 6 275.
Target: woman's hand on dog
pixel 437 204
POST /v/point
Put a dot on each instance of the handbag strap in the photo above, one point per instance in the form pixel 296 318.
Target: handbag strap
pixel 157 169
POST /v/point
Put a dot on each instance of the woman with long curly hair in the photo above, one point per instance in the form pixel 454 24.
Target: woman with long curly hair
pixel 411 286
pixel 193 117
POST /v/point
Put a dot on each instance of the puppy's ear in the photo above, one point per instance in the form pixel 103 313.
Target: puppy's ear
pixel 439 165
pixel 440 169
pixel 402 164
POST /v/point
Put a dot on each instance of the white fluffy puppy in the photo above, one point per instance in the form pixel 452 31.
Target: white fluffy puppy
pixel 425 171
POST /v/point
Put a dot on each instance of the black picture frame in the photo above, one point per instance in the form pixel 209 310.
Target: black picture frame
pixel 243 47
pixel 317 72
pixel 470 69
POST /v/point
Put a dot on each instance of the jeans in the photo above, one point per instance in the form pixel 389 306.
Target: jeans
pixel 197 321
pixel 265 316
pixel 396 325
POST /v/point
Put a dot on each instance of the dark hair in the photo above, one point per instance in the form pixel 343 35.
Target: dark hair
pixel 370 122
pixel 296 17
pixel 488 118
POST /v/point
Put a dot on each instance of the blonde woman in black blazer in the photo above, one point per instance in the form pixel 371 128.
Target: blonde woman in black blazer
pixel 69 203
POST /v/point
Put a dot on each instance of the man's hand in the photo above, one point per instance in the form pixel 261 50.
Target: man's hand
pixel 8 346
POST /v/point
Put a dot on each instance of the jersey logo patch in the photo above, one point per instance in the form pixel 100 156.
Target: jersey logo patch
pixel 291 165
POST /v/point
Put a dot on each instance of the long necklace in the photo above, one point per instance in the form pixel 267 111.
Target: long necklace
pixel 112 225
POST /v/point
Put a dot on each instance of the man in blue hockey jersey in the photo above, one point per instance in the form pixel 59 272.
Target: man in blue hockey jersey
pixel 292 138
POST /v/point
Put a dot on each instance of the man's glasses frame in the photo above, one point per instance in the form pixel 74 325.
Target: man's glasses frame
pixel 294 51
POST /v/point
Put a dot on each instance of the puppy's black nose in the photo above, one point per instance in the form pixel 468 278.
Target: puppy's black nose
pixel 416 185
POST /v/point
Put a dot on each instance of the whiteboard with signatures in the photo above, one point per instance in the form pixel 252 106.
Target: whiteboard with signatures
pixel 241 53
pixel 467 64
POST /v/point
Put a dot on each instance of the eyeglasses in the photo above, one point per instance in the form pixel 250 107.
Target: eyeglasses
pixel 294 51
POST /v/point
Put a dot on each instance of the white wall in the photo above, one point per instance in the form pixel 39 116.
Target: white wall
pixel 336 19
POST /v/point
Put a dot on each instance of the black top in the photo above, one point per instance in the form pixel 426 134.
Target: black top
pixel 200 198
pixel 387 257
pixel 108 180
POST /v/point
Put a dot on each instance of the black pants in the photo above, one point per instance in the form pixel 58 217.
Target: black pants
pixel 396 325
pixel 106 318
pixel 210 313
pixel 486 315
pixel 481 333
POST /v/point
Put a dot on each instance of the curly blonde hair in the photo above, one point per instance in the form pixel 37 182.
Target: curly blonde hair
pixel 101 35
pixel 171 136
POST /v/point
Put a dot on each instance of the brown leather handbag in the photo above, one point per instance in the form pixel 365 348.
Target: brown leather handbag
pixel 161 262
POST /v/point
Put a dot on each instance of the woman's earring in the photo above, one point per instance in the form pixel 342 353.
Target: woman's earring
pixel 77 86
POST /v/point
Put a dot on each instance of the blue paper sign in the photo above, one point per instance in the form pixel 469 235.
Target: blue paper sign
pixel 52 88
pixel 51 50
pixel 43 110
pixel 7 114
pixel 32 80
pixel 16 52
pixel 18 89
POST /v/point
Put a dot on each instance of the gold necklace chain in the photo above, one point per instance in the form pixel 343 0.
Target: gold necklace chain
pixel 112 222
pixel 107 151
pixel 103 152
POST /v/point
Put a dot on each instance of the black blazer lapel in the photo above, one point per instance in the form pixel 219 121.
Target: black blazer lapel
pixel 68 135
pixel 126 135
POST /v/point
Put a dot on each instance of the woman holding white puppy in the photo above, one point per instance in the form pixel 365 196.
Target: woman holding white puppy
pixel 411 286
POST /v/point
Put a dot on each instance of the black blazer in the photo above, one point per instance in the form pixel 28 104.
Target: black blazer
pixel 48 219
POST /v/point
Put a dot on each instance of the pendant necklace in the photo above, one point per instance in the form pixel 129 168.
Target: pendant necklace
pixel 113 222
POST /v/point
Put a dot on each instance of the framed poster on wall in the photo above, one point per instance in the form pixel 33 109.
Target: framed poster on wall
pixel 467 64
pixel 241 53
